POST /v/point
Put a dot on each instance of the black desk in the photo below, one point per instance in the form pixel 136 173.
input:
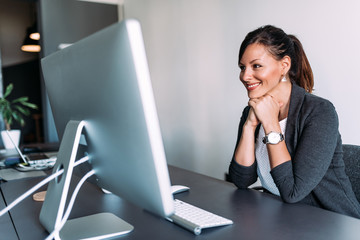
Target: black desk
pixel 256 215
pixel 6 225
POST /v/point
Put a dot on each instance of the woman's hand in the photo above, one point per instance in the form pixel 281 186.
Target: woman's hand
pixel 252 121
pixel 266 110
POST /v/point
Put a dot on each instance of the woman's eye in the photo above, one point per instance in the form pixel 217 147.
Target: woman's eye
pixel 256 66
pixel 242 68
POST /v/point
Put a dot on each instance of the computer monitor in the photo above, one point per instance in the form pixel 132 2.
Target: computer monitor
pixel 100 88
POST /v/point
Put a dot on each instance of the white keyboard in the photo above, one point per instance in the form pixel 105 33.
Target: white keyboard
pixel 195 219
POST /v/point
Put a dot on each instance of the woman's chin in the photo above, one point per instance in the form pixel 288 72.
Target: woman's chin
pixel 257 93
pixel 253 95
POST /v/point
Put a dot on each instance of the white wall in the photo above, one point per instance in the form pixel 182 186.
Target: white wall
pixel 192 47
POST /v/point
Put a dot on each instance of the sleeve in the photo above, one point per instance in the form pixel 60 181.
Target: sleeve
pixel 242 176
pixel 316 145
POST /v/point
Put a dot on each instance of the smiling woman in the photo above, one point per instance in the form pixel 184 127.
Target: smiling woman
pixel 288 137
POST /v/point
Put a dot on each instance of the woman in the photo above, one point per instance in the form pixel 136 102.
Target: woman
pixel 288 137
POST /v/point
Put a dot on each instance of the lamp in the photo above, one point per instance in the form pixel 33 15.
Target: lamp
pixel 31 41
pixel 35 35
pixel 33 32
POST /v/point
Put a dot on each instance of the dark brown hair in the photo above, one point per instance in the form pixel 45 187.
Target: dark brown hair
pixel 279 45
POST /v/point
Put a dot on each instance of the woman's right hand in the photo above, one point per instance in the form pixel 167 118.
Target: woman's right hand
pixel 252 121
pixel 245 150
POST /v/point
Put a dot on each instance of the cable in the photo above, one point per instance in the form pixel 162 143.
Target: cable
pixel 56 231
pixel 39 185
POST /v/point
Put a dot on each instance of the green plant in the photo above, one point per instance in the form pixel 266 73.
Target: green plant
pixel 14 110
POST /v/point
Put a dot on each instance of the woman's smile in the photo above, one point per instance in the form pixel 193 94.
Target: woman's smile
pixel 252 86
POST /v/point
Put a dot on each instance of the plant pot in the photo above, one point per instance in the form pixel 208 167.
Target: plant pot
pixel 15 136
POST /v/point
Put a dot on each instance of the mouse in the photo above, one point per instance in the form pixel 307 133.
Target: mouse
pixel 179 189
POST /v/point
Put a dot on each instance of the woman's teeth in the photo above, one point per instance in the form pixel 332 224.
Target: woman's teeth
pixel 253 85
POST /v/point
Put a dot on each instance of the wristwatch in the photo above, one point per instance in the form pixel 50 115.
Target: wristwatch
pixel 273 138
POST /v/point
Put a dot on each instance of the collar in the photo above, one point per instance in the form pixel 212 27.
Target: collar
pixel 296 101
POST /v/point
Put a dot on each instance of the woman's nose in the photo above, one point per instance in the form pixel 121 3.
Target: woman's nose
pixel 246 75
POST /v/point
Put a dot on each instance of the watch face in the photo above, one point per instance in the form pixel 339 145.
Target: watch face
pixel 274 138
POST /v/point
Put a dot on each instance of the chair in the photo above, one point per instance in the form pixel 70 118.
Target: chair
pixel 352 166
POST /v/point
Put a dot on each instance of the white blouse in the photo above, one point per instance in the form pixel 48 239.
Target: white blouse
pixel 262 159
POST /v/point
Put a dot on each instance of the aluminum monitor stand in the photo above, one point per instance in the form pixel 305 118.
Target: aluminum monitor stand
pixel 97 226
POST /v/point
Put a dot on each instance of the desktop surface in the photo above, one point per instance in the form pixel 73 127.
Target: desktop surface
pixel 6 225
pixel 256 215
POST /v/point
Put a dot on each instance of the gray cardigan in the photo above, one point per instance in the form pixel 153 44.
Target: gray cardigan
pixel 316 173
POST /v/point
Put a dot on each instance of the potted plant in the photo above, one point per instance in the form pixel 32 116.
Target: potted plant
pixel 11 111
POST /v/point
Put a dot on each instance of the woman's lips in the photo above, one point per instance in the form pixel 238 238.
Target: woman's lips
pixel 252 86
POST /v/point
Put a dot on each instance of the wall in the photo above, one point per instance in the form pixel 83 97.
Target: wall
pixel 192 47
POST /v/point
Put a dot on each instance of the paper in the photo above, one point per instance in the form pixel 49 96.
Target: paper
pixel 9 174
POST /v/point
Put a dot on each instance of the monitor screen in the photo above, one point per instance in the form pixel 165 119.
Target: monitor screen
pixel 104 81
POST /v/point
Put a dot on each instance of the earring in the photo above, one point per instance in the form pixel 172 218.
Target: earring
pixel 284 79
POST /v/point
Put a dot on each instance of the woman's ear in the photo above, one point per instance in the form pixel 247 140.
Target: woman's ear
pixel 285 64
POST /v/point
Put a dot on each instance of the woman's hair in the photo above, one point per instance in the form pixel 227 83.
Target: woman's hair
pixel 279 45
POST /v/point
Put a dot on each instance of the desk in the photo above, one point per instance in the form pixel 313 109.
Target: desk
pixel 6 225
pixel 256 215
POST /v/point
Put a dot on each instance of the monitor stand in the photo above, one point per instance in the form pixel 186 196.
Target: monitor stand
pixel 97 226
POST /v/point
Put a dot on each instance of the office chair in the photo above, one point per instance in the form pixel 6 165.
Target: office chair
pixel 352 166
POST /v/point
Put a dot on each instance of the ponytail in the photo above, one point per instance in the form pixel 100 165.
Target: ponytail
pixel 302 73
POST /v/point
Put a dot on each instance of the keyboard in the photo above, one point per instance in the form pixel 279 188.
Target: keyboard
pixel 195 219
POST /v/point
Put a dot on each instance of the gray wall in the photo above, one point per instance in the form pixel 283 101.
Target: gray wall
pixel 192 47
pixel 67 21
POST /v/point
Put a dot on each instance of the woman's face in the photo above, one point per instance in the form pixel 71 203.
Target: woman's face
pixel 260 71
